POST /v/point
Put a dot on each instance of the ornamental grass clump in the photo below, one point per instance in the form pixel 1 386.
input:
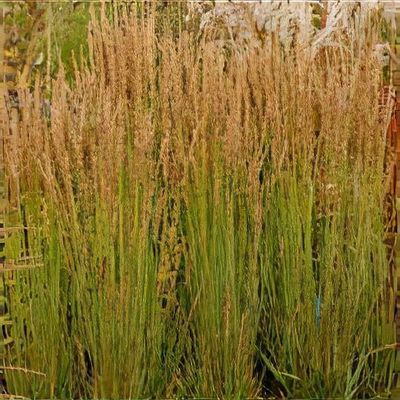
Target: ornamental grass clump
pixel 211 220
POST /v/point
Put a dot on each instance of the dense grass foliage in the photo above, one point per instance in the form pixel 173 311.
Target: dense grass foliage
pixel 210 219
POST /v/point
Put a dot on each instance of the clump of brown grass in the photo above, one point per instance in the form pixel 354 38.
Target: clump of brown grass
pixel 212 220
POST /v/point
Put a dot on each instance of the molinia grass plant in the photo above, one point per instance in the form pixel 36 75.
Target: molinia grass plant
pixel 210 219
